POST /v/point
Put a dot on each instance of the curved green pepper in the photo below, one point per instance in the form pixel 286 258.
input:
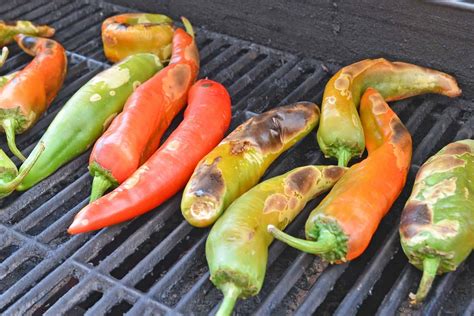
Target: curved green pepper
pixel 237 246
pixel 87 114
pixel 340 132
pixel 241 159
pixel 437 224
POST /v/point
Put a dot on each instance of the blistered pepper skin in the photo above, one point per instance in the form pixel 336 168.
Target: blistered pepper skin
pixel 341 226
pixel 437 223
pixel 132 33
pixel 340 132
pixel 241 159
pixel 237 246
pixel 8 30
pixel 87 114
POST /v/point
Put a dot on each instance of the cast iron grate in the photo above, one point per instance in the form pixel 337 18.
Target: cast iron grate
pixel 155 264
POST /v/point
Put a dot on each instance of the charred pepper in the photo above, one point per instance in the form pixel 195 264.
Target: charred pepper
pixel 341 227
pixel 237 246
pixel 340 133
pixel 437 224
pixel 241 159
pixel 8 29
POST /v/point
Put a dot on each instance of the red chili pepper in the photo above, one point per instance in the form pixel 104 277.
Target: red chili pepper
pixel 31 91
pixel 136 132
pixel 205 121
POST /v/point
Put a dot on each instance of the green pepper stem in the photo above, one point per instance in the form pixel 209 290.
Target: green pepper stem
pixel 343 157
pixel 326 241
pixel 9 126
pixel 188 26
pixel 430 267
pixel 7 188
pixel 231 294
pixel 100 184
pixel 4 56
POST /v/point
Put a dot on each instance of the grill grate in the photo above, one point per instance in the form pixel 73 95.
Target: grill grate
pixel 155 264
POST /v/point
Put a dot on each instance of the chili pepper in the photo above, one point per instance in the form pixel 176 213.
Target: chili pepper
pixel 344 222
pixel 28 95
pixel 136 132
pixel 8 29
pixel 340 133
pixel 206 119
pixel 131 33
pixel 241 159
pixel 87 114
pixel 237 246
pixel 437 223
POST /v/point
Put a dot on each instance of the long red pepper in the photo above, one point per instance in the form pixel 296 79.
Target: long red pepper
pixel 166 172
pixel 135 134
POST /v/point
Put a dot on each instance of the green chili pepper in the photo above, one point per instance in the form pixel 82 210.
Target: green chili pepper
pixel 437 224
pixel 237 246
pixel 340 133
pixel 241 159
pixel 87 114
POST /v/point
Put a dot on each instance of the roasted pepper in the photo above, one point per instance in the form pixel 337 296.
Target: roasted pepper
pixel 131 33
pixel 206 119
pixel 341 227
pixel 24 98
pixel 87 114
pixel 241 159
pixel 237 246
pixel 340 133
pixel 437 224
pixel 9 29
pixel 136 132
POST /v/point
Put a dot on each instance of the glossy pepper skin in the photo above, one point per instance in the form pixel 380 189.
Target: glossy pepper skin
pixel 24 98
pixel 341 226
pixel 135 134
pixel 206 119
pixel 8 30
pixel 437 224
pixel 131 33
pixel 87 114
pixel 241 159
pixel 340 133
pixel 237 246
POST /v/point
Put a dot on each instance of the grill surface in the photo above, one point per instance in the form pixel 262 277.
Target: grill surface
pixel 155 264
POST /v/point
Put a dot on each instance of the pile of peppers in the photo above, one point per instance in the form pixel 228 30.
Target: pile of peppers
pixel 124 111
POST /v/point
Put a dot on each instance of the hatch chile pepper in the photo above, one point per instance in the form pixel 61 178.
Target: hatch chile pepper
pixel 241 159
pixel 342 225
pixel 206 119
pixel 131 33
pixel 87 114
pixel 340 133
pixel 237 246
pixel 437 223
pixel 135 134
pixel 26 96
pixel 8 29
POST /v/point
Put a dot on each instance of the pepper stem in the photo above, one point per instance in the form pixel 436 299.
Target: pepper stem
pixel 430 267
pixel 4 56
pixel 100 184
pixel 326 241
pixel 343 157
pixel 9 126
pixel 188 26
pixel 7 188
pixel 231 294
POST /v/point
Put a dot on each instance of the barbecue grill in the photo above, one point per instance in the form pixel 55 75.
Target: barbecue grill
pixel 155 264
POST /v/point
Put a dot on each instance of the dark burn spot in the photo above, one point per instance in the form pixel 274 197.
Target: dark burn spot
pixel 121 26
pixel 275 202
pixel 28 42
pixel 269 131
pixel 206 85
pixel 302 180
pixel 251 234
pixel 457 149
pixel 208 180
pixel 413 216
pixel 333 173
pixel 399 130
pixel 181 75
pixel 49 44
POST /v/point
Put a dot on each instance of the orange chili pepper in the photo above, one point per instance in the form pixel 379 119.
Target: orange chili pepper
pixel 24 98
pixel 341 227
